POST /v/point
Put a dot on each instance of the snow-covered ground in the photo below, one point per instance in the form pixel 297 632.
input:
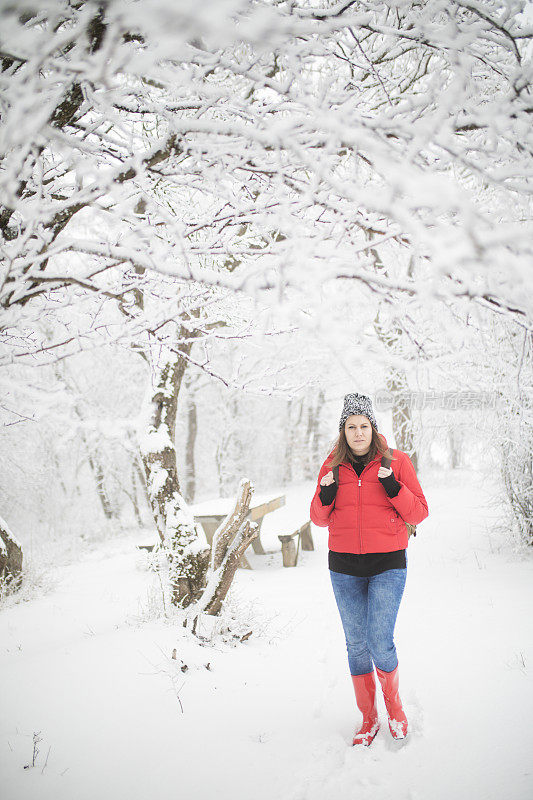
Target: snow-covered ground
pixel 89 668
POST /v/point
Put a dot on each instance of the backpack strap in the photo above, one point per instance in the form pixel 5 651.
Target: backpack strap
pixel 386 461
pixel 335 471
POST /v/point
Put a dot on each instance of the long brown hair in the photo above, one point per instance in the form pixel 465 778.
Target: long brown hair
pixel 342 453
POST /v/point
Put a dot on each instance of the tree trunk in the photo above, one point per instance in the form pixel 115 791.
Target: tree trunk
pixel 514 429
pixel 10 559
pixel 93 458
pixel 133 496
pixel 313 436
pixel 297 446
pixel 517 473
pixel 188 554
pixel 141 475
pixel 308 471
pixel 99 478
pixel 455 442
pixel 192 429
pixel 289 445
pixel 396 383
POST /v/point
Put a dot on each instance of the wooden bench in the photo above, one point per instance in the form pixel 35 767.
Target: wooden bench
pixel 211 513
pixel 289 550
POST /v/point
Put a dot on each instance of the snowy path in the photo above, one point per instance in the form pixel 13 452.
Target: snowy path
pixel 273 718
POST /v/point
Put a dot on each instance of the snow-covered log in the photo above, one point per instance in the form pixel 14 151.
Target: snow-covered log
pixel 10 558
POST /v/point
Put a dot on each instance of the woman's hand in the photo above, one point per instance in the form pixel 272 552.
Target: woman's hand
pixel 384 472
pixel 328 479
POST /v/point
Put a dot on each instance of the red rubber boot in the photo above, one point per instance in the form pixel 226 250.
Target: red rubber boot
pixel 365 697
pixel 397 719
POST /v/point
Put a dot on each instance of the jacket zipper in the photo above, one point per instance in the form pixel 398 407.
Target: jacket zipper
pixel 360 517
pixel 360 505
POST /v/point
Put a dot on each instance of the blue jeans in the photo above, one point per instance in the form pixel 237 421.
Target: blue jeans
pixel 368 608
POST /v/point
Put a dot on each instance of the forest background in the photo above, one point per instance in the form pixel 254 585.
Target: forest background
pixel 216 221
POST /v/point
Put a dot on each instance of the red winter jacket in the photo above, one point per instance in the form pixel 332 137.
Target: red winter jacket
pixel 363 518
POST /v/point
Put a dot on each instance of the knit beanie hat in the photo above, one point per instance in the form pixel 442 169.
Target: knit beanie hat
pixel 357 404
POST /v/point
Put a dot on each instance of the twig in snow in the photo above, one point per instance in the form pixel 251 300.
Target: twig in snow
pixel 36 740
pixel 46 762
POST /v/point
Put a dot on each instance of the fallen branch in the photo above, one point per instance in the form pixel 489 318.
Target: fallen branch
pixel 229 528
pixel 229 544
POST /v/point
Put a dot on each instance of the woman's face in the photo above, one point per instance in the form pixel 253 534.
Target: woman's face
pixel 358 432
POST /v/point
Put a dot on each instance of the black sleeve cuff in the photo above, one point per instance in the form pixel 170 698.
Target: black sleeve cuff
pixel 327 494
pixel 391 485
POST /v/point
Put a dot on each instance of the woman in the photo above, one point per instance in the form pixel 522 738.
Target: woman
pixel 366 514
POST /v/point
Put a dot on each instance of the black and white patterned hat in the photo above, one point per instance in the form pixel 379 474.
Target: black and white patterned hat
pixel 357 404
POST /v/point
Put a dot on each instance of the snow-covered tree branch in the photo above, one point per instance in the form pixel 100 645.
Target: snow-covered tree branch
pixel 253 144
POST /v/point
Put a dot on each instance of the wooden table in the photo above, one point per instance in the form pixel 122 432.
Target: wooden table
pixel 211 513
